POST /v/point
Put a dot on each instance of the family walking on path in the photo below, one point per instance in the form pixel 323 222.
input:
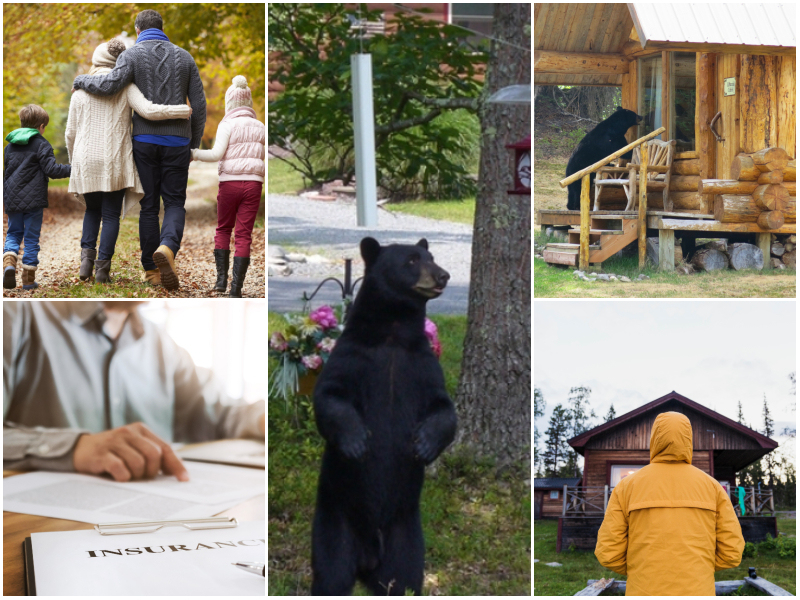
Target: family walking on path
pixel 112 169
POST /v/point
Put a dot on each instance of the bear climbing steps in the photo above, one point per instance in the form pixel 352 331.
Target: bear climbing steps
pixel 608 235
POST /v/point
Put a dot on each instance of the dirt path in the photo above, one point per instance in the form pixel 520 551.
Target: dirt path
pixel 60 251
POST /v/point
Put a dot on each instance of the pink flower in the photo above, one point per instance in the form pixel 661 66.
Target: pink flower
pixel 278 342
pixel 324 317
pixel 432 333
pixel 312 362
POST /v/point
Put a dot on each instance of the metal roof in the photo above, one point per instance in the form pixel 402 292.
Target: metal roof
pixel 552 483
pixel 748 24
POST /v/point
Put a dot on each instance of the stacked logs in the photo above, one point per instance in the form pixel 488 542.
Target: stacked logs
pixel 763 191
pixel 783 251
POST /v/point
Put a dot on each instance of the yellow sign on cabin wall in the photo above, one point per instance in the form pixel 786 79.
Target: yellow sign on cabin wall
pixel 730 86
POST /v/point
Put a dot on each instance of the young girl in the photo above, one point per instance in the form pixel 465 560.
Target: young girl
pixel 239 148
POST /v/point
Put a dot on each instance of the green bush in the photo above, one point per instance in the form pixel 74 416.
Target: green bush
pixel 750 550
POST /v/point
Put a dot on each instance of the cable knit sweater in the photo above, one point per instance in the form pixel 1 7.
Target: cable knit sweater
pixel 99 141
pixel 239 147
pixel 166 74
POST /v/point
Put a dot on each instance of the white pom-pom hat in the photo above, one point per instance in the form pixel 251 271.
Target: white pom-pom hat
pixel 238 94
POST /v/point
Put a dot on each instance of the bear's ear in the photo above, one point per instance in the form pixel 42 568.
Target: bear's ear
pixel 620 108
pixel 370 248
pixel 423 242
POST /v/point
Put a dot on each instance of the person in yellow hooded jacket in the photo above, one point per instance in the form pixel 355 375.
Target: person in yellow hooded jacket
pixel 669 526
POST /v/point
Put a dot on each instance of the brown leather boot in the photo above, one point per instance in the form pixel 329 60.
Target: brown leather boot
pixel 153 277
pixel 10 270
pixel 29 277
pixel 165 261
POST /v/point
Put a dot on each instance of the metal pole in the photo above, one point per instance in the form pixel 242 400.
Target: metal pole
pixel 364 133
pixel 564 508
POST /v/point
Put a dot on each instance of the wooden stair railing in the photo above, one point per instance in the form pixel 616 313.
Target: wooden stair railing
pixel 584 175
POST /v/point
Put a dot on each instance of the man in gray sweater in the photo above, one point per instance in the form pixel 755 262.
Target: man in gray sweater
pixel 166 74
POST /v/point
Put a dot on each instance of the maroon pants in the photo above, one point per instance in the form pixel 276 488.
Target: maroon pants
pixel 237 203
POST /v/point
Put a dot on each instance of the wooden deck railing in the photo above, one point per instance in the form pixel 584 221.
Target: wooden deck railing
pixel 583 253
pixel 585 501
pixel 757 503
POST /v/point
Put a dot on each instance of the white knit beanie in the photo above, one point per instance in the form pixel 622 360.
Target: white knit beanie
pixel 238 94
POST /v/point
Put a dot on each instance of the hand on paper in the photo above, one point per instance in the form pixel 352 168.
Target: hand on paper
pixel 126 453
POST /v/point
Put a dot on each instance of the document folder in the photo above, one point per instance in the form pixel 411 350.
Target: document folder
pixel 137 527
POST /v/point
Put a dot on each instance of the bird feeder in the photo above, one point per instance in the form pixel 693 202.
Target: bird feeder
pixel 522 167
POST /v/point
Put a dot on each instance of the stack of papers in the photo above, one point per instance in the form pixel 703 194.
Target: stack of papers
pixel 93 499
pixel 172 561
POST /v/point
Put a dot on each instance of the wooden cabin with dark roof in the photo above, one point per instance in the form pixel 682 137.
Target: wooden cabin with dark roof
pixel 721 447
pixel 720 79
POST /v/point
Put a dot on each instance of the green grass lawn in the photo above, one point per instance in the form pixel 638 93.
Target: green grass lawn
pixel 283 179
pixel 578 567
pixel 476 520
pixel 551 281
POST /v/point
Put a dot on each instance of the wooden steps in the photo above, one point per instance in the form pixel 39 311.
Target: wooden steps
pixel 608 234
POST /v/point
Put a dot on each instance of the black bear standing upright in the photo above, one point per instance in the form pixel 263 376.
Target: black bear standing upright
pixel 381 405
pixel 605 139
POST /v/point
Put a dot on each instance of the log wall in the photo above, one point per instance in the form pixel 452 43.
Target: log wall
pixel 596 463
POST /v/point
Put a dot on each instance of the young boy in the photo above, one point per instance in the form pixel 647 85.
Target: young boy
pixel 28 161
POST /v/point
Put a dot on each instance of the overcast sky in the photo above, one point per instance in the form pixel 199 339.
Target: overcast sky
pixel 630 352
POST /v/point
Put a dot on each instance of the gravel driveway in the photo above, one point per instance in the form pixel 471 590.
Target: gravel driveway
pixel 328 229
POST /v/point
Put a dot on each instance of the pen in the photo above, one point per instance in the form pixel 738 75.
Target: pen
pixel 254 568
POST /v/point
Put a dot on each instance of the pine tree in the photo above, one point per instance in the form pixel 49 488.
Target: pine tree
pixel 768 431
pixel 578 416
pixel 555 446
pixel 538 411
pixel 612 414
pixel 741 414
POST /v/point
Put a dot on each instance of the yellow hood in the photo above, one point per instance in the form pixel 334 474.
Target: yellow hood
pixel 671 439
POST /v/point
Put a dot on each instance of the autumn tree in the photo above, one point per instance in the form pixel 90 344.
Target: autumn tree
pixel 46 45
pixel 555 446
pixel 494 391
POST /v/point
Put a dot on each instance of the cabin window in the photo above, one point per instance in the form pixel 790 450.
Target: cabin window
pixel 682 97
pixel 620 472
pixel 683 94
pixel 553 494
pixel 649 94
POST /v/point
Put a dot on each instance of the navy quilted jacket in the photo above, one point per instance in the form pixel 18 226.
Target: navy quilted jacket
pixel 26 168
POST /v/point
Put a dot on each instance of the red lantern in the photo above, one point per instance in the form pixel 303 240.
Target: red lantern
pixel 522 167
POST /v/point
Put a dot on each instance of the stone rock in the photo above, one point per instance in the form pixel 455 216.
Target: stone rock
pixel 535 560
pixel 273 270
pixel 549 232
pixel 316 259
pixel 603 277
pixel 613 278
pixel 560 235
pixel 553 564
pixel 296 257
pixel 625 279
pixel 276 252
pixel 578 273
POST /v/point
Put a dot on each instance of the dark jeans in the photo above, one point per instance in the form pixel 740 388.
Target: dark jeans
pixel 164 172
pixel 27 226
pixel 105 207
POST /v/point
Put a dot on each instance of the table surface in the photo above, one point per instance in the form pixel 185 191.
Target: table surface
pixel 17 526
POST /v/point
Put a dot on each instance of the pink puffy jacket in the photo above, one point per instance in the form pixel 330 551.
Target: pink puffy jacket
pixel 239 147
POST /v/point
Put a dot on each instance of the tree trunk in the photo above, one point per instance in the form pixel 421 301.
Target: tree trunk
pixel 745 256
pixel 709 259
pixel 494 390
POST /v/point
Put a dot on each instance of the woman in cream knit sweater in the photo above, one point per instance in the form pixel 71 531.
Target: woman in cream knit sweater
pixel 104 176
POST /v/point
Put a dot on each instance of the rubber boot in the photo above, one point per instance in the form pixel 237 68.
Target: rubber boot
pixel 10 270
pixel 101 272
pixel 87 263
pixel 240 264
pixel 165 261
pixel 222 258
pixel 29 277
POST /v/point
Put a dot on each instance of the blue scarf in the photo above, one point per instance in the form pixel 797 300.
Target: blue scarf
pixel 152 34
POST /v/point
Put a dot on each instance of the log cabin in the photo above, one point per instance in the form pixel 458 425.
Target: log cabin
pixel 614 450
pixel 720 78
pixel 548 496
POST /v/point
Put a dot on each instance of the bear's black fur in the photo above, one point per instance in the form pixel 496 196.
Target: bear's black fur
pixel 382 408
pixel 605 139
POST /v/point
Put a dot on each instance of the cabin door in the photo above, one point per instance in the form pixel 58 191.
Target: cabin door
pixel 727 125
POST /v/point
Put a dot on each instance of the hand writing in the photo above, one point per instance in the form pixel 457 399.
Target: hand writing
pixel 126 453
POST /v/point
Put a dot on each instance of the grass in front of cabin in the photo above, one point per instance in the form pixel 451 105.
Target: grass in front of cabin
pixel 578 567
pixel 476 522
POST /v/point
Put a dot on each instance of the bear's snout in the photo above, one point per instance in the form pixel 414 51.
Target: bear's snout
pixel 441 278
